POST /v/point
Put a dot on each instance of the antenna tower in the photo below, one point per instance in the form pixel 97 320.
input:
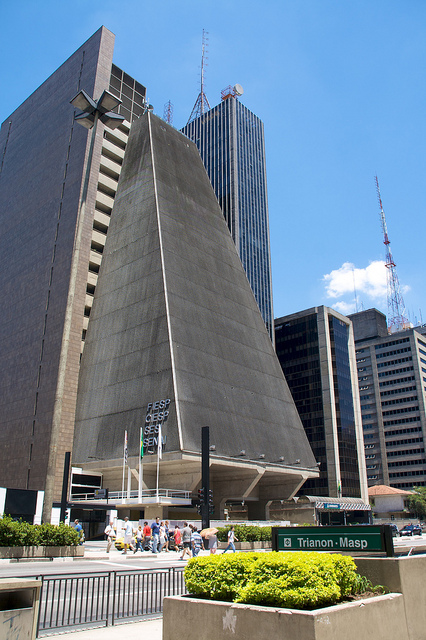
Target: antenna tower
pixel 201 104
pixel 396 307
pixel 168 112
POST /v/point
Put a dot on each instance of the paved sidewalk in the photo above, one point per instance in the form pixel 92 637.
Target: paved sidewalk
pixel 151 628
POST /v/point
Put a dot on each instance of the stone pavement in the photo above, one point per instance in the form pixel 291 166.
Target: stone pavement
pixel 151 628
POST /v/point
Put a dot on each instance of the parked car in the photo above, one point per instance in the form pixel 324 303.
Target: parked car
pixel 119 543
pixel 394 529
pixel 411 530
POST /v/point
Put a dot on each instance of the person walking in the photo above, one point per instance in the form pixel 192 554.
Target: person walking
pixel 231 540
pixel 79 529
pixel 177 538
pixel 139 537
pixel 166 526
pixel 186 540
pixel 110 534
pixel 128 534
pixel 162 537
pixel 212 538
pixel 146 535
pixel 155 534
pixel 196 542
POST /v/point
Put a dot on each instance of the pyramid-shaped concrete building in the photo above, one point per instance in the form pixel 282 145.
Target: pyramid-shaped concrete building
pixel 176 342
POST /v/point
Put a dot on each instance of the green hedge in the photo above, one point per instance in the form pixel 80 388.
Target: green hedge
pixel 246 533
pixel 301 580
pixel 22 534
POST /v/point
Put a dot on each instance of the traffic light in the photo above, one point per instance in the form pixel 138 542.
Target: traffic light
pixel 210 502
pixel 202 496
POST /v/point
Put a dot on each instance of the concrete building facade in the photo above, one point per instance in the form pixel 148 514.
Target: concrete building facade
pixel 316 351
pixel 392 388
pixel 44 154
pixel 176 341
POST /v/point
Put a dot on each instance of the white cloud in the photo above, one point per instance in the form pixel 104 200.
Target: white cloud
pixel 370 281
pixel 345 308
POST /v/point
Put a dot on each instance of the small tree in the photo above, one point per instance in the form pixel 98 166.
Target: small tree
pixel 417 502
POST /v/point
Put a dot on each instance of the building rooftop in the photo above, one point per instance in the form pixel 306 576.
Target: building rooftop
pixel 383 490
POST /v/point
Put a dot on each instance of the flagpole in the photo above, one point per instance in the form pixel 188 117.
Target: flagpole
pixel 140 466
pixel 159 455
pixel 124 464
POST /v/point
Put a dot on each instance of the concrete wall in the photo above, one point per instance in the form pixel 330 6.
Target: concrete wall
pixel 404 575
pixel 44 153
pixel 195 619
pixel 174 318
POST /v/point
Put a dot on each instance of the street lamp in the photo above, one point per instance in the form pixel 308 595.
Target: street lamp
pixel 97 110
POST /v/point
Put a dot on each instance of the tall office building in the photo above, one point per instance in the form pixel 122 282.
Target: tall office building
pixel 176 341
pixel 316 351
pixel 44 154
pixel 392 389
pixel 230 139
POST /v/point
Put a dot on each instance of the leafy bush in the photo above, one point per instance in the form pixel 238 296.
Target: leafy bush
pixel 246 533
pixel 219 577
pixel 22 534
pixel 303 580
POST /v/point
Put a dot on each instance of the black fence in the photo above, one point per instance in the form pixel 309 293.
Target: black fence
pixel 104 598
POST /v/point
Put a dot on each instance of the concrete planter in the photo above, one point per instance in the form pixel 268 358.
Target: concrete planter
pixel 195 619
pixel 19 553
pixel 407 575
pixel 248 546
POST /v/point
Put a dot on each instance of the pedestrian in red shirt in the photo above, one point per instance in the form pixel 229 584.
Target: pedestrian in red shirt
pixel 177 538
pixel 146 535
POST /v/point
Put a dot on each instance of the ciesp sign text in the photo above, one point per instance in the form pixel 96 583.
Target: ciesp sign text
pixel 156 415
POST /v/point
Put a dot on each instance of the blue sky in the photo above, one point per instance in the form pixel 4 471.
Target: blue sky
pixel 340 86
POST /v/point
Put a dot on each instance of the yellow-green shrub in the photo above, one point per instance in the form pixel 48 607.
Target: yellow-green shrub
pixel 302 580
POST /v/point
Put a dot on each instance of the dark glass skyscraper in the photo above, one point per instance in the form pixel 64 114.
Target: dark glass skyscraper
pixel 316 351
pixel 230 139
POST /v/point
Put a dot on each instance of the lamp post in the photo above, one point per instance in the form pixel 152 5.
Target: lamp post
pixel 92 112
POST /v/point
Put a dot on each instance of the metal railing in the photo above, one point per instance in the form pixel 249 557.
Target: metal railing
pixel 147 494
pixel 104 598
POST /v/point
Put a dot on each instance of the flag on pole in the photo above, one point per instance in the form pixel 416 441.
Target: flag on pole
pixel 125 447
pixel 141 443
pixel 160 443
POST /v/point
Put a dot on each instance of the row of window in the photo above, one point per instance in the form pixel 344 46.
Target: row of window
pixel 407 485
pixel 391 343
pixel 405 452
pixel 414 472
pixel 389 434
pixel 406 463
pixel 397 443
pixel 392 362
pixel 387 403
pixel 392 353
pixel 389 423
pixel 388 383
pixel 392 373
pixel 392 392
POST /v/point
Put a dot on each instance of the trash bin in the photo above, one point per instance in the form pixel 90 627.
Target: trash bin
pixel 19 603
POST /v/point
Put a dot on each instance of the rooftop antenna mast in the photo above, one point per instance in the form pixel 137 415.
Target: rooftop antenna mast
pixel 397 319
pixel 201 104
pixel 168 112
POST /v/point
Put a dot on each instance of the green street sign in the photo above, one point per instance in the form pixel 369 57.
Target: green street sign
pixel 365 538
